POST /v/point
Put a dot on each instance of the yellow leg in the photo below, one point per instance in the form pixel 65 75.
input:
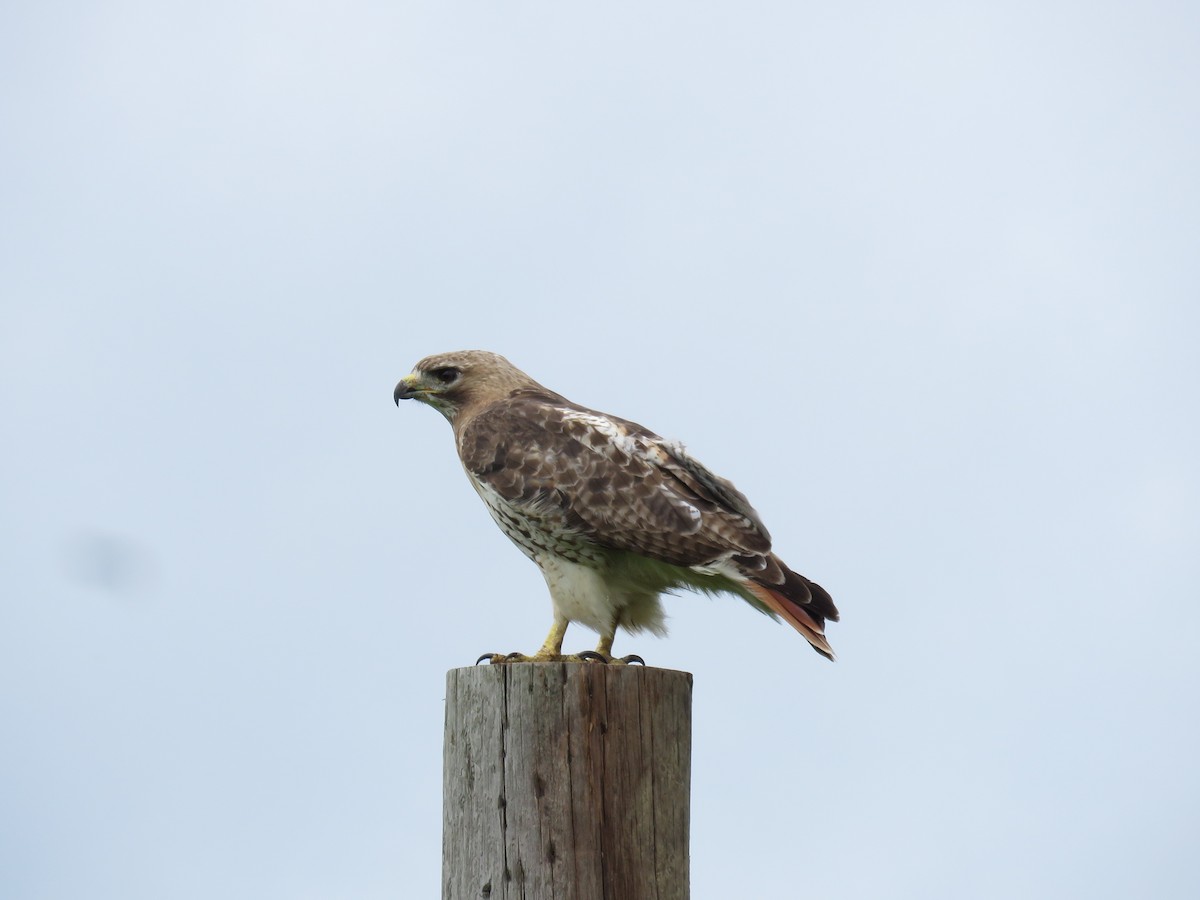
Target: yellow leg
pixel 552 648
pixel 604 648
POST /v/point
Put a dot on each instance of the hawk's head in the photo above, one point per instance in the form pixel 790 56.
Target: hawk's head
pixel 450 382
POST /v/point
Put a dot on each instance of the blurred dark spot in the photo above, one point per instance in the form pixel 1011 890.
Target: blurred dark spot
pixel 107 563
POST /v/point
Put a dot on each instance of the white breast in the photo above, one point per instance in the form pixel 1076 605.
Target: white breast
pixel 578 593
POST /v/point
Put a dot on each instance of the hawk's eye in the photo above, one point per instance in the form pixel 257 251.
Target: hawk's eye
pixel 446 374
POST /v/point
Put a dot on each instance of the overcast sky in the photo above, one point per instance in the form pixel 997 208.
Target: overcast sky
pixel 922 279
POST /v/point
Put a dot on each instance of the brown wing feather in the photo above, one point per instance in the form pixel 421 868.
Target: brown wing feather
pixel 608 480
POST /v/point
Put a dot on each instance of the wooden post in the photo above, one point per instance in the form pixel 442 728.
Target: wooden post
pixel 566 781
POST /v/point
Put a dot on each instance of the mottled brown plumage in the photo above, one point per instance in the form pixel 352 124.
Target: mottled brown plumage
pixel 613 514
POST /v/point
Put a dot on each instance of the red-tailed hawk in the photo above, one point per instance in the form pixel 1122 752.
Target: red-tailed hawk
pixel 612 514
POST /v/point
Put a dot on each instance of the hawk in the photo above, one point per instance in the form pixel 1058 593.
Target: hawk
pixel 612 514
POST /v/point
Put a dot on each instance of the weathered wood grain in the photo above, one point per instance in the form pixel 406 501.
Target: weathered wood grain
pixel 566 781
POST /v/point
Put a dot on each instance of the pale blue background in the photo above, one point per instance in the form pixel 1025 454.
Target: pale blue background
pixel 923 279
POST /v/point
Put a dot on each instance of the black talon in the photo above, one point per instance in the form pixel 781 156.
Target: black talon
pixel 589 655
pixel 488 656
pixel 633 658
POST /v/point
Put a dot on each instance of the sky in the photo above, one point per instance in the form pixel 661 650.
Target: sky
pixel 921 279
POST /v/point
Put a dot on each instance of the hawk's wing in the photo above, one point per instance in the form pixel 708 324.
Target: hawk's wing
pixel 575 470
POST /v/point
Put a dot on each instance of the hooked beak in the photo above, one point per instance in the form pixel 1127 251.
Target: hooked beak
pixel 406 389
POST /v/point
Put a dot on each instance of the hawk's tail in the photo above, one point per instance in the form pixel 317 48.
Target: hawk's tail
pixel 803 604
